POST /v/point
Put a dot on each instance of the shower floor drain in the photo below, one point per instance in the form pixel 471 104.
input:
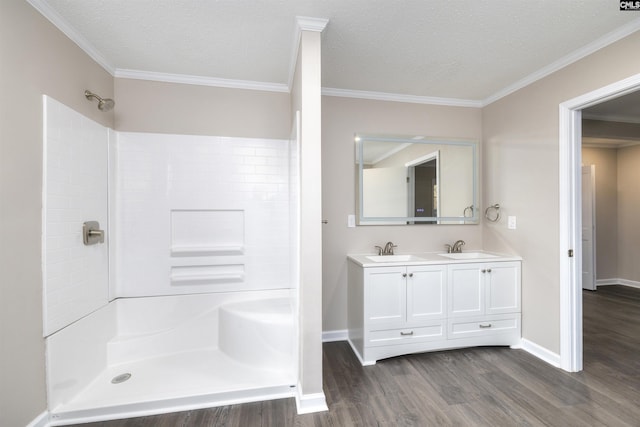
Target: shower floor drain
pixel 120 378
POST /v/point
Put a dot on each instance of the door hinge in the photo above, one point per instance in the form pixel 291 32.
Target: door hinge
pixel 570 253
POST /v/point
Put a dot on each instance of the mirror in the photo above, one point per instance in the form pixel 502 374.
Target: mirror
pixel 416 180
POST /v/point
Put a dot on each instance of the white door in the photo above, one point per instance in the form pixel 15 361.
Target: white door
pixel 589 227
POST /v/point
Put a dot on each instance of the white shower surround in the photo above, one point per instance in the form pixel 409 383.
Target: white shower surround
pixel 198 214
pixel 203 233
pixel 75 169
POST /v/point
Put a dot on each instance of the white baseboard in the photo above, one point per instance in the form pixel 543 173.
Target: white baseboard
pixel 362 362
pixel 541 352
pixel 309 403
pixel 331 336
pixel 623 282
pixel 607 282
pixel 41 420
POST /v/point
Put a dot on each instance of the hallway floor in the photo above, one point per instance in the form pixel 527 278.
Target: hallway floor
pixel 487 386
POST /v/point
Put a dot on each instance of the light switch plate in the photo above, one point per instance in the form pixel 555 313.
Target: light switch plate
pixel 351 221
pixel 511 222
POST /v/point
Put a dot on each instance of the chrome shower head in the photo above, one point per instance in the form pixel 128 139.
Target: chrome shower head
pixel 104 104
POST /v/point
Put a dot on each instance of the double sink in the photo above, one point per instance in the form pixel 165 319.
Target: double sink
pixel 414 258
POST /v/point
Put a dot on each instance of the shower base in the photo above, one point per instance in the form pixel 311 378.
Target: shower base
pixel 177 382
pixel 181 352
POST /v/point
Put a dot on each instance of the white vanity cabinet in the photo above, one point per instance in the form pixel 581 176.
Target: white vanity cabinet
pixel 484 300
pixel 401 309
pixel 403 298
pixel 484 288
pixel 394 309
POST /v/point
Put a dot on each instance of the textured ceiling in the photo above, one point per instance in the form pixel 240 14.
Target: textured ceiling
pixel 464 49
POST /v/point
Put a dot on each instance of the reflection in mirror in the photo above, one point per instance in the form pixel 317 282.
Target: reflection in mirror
pixel 404 180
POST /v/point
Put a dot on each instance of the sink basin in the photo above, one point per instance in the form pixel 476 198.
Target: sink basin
pixel 394 258
pixel 468 255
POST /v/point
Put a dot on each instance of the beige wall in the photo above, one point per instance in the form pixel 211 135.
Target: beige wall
pixel 35 59
pixel 606 163
pixel 157 107
pixel 341 119
pixel 628 213
pixel 521 166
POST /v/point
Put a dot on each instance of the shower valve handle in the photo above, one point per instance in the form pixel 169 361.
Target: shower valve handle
pixel 91 233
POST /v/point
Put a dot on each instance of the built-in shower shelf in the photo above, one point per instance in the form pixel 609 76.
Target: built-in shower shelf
pixel 207 274
pixel 185 251
pixel 206 278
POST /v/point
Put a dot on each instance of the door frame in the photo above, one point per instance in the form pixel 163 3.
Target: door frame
pixel 592 184
pixel 570 144
pixel 411 176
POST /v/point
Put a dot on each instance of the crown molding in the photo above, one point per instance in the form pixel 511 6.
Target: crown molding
pixel 61 24
pixel 575 56
pixel 200 80
pixel 318 25
pixel 397 97
pixel 303 23
pixel 306 23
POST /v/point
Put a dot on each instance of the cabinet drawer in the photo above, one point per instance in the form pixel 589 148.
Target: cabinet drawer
pixel 433 332
pixel 483 326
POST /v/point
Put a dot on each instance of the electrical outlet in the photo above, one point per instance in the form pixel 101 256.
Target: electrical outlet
pixel 511 222
pixel 351 221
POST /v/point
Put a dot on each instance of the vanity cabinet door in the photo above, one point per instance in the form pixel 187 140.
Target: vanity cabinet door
pixel 465 287
pixel 385 297
pixel 477 289
pixel 502 284
pixel 426 293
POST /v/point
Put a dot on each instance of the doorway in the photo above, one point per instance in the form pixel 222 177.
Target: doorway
pixel 570 216
pixel 423 178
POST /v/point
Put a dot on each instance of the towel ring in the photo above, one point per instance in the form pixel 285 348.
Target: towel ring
pixel 470 209
pixel 492 213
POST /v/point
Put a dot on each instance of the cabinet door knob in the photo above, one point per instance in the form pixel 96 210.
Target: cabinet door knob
pixel 483 270
pixel 410 274
pixel 488 270
pixel 404 274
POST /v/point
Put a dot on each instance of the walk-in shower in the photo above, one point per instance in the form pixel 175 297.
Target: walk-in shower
pixel 192 299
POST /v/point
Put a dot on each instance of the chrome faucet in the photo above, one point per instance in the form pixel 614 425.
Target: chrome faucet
pixel 457 246
pixel 387 250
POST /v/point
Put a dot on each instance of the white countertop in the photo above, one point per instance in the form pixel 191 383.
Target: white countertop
pixel 436 258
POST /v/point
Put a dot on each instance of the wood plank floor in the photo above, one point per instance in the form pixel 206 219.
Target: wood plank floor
pixel 489 386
